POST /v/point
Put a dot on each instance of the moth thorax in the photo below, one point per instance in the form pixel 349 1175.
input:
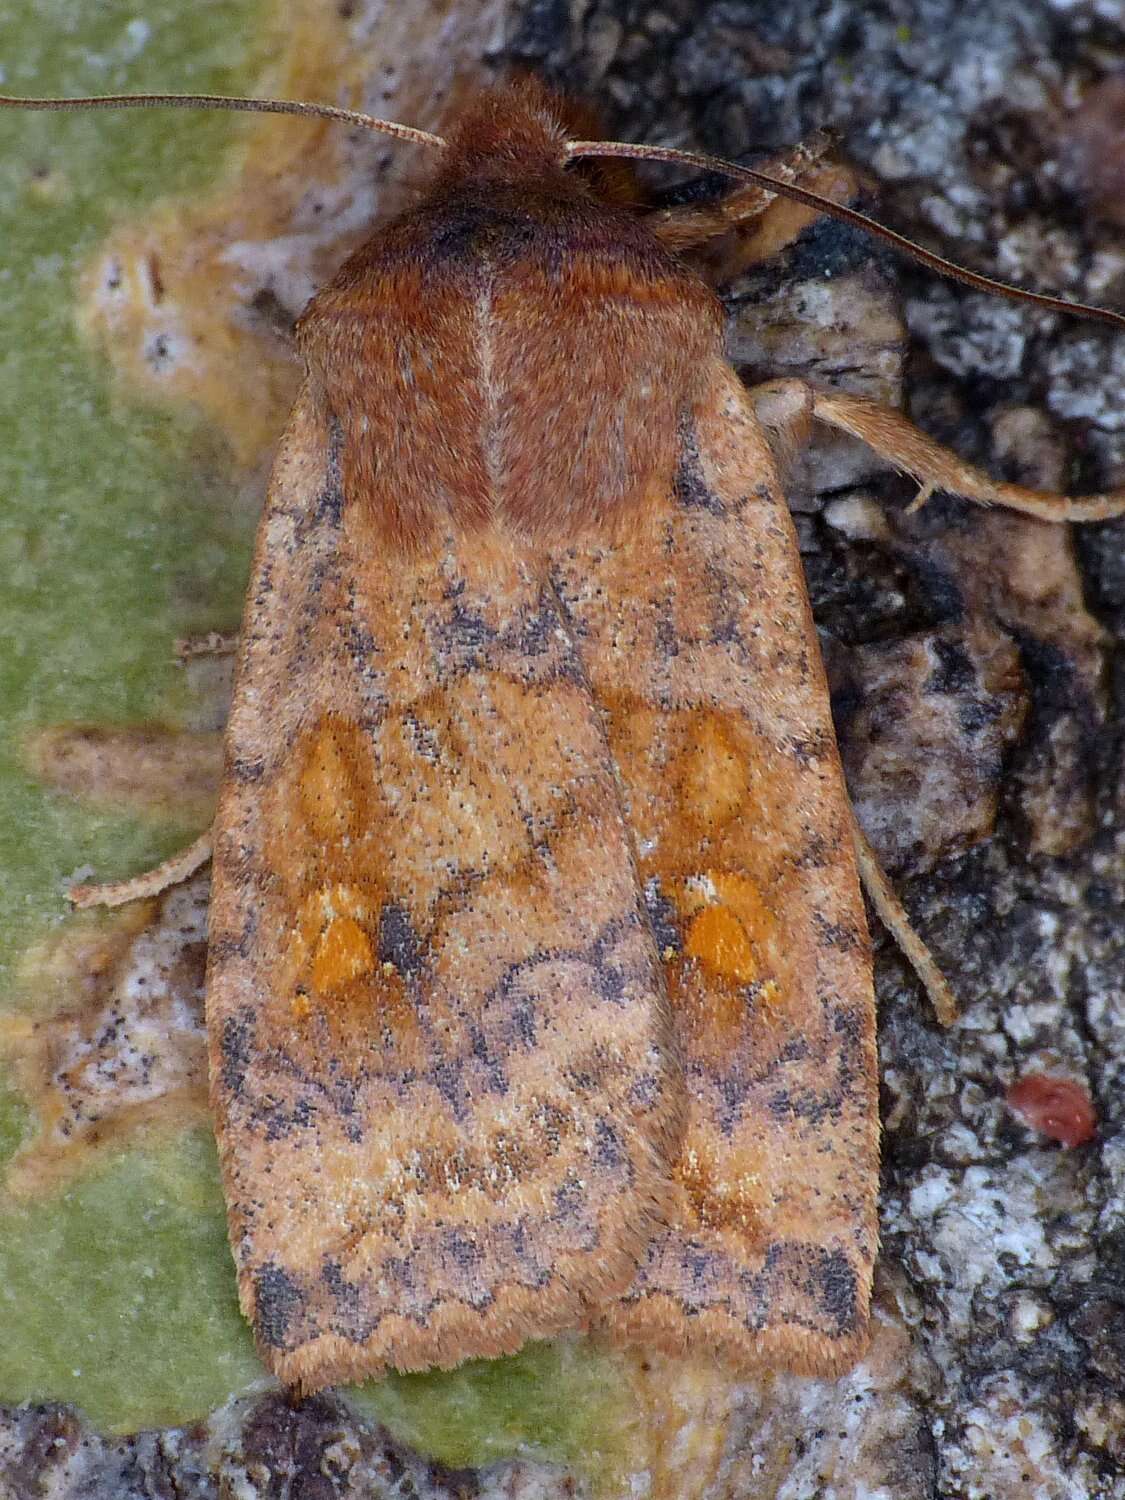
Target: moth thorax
pixel 509 353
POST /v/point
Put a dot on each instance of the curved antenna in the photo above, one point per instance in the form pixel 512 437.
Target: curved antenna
pixel 579 149
pixel 224 101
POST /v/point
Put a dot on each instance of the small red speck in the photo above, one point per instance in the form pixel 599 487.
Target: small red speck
pixel 1056 1107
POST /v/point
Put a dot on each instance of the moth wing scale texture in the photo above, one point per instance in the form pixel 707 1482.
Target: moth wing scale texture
pixel 438 1024
pixel 539 991
pixel 700 647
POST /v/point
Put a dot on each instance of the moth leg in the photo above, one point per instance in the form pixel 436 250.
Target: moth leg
pixel 774 222
pixel 893 916
pixel 784 405
pixel 785 409
pixel 151 883
pixel 213 643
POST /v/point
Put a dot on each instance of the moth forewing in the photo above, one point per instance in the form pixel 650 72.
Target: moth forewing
pixel 700 647
pixel 439 1038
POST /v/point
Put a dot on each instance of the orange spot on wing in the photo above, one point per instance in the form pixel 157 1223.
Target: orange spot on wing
pixel 736 942
pixel 718 939
pixel 343 953
pixel 733 932
pixel 723 1197
pixel 326 852
pixel 335 785
pixel 711 773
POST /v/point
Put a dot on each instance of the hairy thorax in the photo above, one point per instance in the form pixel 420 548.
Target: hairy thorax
pixel 454 353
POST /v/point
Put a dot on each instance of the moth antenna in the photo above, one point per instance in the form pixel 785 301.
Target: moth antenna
pixel 579 149
pixel 224 101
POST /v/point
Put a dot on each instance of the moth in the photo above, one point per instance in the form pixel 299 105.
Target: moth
pixel 539 985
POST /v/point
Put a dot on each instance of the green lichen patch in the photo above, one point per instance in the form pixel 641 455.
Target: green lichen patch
pixel 565 1402
pixel 117 1293
pixel 111 542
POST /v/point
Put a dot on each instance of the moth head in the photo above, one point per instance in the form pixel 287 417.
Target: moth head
pixel 507 134
pixel 523 131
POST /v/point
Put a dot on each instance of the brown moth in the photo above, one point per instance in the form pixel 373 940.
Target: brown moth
pixel 539 988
